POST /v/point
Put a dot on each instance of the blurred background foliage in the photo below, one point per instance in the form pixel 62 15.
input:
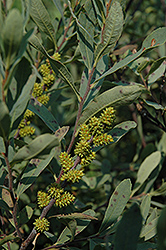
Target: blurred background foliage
pixel 114 162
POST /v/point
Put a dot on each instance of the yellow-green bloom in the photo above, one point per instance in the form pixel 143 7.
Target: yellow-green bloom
pixel 43 199
pixel 73 175
pixel 41 225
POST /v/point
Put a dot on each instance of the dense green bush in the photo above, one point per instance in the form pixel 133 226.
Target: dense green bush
pixel 82 124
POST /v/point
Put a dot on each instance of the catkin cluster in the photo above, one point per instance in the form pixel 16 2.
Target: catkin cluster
pixel 62 197
pixel 94 134
pixel 40 94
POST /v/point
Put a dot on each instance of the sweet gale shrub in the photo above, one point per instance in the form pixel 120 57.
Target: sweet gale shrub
pixel 76 77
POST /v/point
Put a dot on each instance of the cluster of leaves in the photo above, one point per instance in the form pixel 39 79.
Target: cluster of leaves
pixel 70 66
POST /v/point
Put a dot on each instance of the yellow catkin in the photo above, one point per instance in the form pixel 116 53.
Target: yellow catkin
pixel 43 199
pixel 41 225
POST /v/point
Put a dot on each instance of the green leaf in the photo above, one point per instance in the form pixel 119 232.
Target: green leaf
pixel 160 191
pixel 152 216
pixel 59 68
pixel 41 111
pixel 155 65
pixel 86 42
pixel 41 17
pixel 66 235
pixel 22 102
pixel 149 230
pixel 81 216
pixel 2 145
pixel 101 67
pixel 145 207
pixel 18 58
pixel 119 95
pixel 157 73
pixel 59 7
pixel 72 225
pixel 139 64
pixel 4 205
pixel 159 35
pixel 18 81
pixel 99 8
pixel 8 238
pixel 146 168
pixel 6 196
pixel 118 132
pixel 154 105
pixel 161 229
pixel 4 120
pixel 12 34
pixel 162 144
pixel 111 32
pixel 128 230
pixel 31 172
pixel 36 147
pixel 116 204
pixel 25 214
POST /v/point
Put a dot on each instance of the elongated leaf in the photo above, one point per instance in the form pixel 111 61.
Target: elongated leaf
pixel 154 105
pixel 101 67
pixel 86 44
pixel 59 7
pixel 157 73
pixel 12 34
pixel 146 168
pixel 22 102
pixel 4 120
pixel 160 191
pixel 112 30
pixel 66 234
pixel 36 147
pixel 72 216
pixel 19 56
pixel 159 37
pixel 139 64
pixel 4 205
pixel 119 95
pixel 145 207
pixel 127 234
pixel 116 204
pixel 149 230
pixel 118 132
pixel 63 73
pixel 18 81
pixel 6 196
pixel 41 17
pixel 41 111
pixel 152 216
pixel 99 8
pixel 155 65
pixel 25 214
pixel 59 68
pixel 2 145
pixel 31 172
pixel 8 238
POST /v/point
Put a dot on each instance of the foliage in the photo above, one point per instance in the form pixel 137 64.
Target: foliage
pixel 82 124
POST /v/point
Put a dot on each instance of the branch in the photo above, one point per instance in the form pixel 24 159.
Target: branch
pixel 81 107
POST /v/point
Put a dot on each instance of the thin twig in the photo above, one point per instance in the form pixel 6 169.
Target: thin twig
pixel 34 232
pixel 15 220
pixel 65 33
pixel 80 108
